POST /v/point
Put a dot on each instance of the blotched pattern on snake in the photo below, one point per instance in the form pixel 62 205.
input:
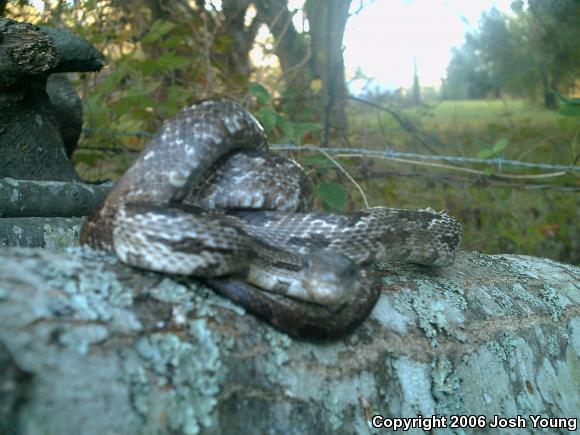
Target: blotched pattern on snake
pixel 205 198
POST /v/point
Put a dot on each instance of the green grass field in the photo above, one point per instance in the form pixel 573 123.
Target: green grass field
pixel 466 127
pixel 534 133
pixel 534 214
pixel 481 113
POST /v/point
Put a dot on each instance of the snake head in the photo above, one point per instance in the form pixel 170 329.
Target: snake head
pixel 330 278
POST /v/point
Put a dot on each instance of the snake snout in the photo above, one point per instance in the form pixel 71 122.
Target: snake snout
pixel 331 279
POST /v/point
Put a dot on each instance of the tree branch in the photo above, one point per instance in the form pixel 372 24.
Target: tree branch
pixel 88 345
pixel 26 198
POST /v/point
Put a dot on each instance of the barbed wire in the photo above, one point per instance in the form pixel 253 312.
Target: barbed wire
pixel 366 175
pixel 496 161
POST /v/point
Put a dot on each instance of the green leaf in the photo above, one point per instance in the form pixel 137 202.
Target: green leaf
pixel 131 101
pixel 563 99
pixel 158 29
pixel 569 110
pixel 170 60
pixel 318 161
pixel 112 81
pixel 485 154
pixel 172 42
pixel 148 67
pixel 332 195
pixel 287 127
pixel 568 106
pixel 500 145
pixel 268 118
pixel 175 99
pixel 260 92
pixel 97 38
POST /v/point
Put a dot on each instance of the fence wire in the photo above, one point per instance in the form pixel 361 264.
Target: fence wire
pixel 497 161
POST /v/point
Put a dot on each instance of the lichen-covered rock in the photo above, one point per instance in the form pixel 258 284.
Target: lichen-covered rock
pixel 50 233
pixel 45 214
pixel 109 349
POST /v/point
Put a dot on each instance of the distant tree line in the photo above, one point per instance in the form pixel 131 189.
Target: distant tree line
pixel 529 54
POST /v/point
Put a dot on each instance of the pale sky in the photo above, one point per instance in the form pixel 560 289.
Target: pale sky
pixel 386 35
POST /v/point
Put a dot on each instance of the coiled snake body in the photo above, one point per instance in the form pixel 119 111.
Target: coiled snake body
pixel 204 198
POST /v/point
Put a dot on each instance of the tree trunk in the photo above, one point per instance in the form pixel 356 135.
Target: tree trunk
pixel 90 346
pixel 327 20
pixel 303 62
pixel 551 101
pixel 549 82
pixel 290 47
pixel 242 37
pixel 416 95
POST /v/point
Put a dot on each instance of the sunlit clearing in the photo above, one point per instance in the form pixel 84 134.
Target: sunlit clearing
pixel 386 36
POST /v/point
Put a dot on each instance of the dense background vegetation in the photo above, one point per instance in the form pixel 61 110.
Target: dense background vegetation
pixel 509 94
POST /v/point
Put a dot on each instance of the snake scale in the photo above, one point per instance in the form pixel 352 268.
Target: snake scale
pixel 205 198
